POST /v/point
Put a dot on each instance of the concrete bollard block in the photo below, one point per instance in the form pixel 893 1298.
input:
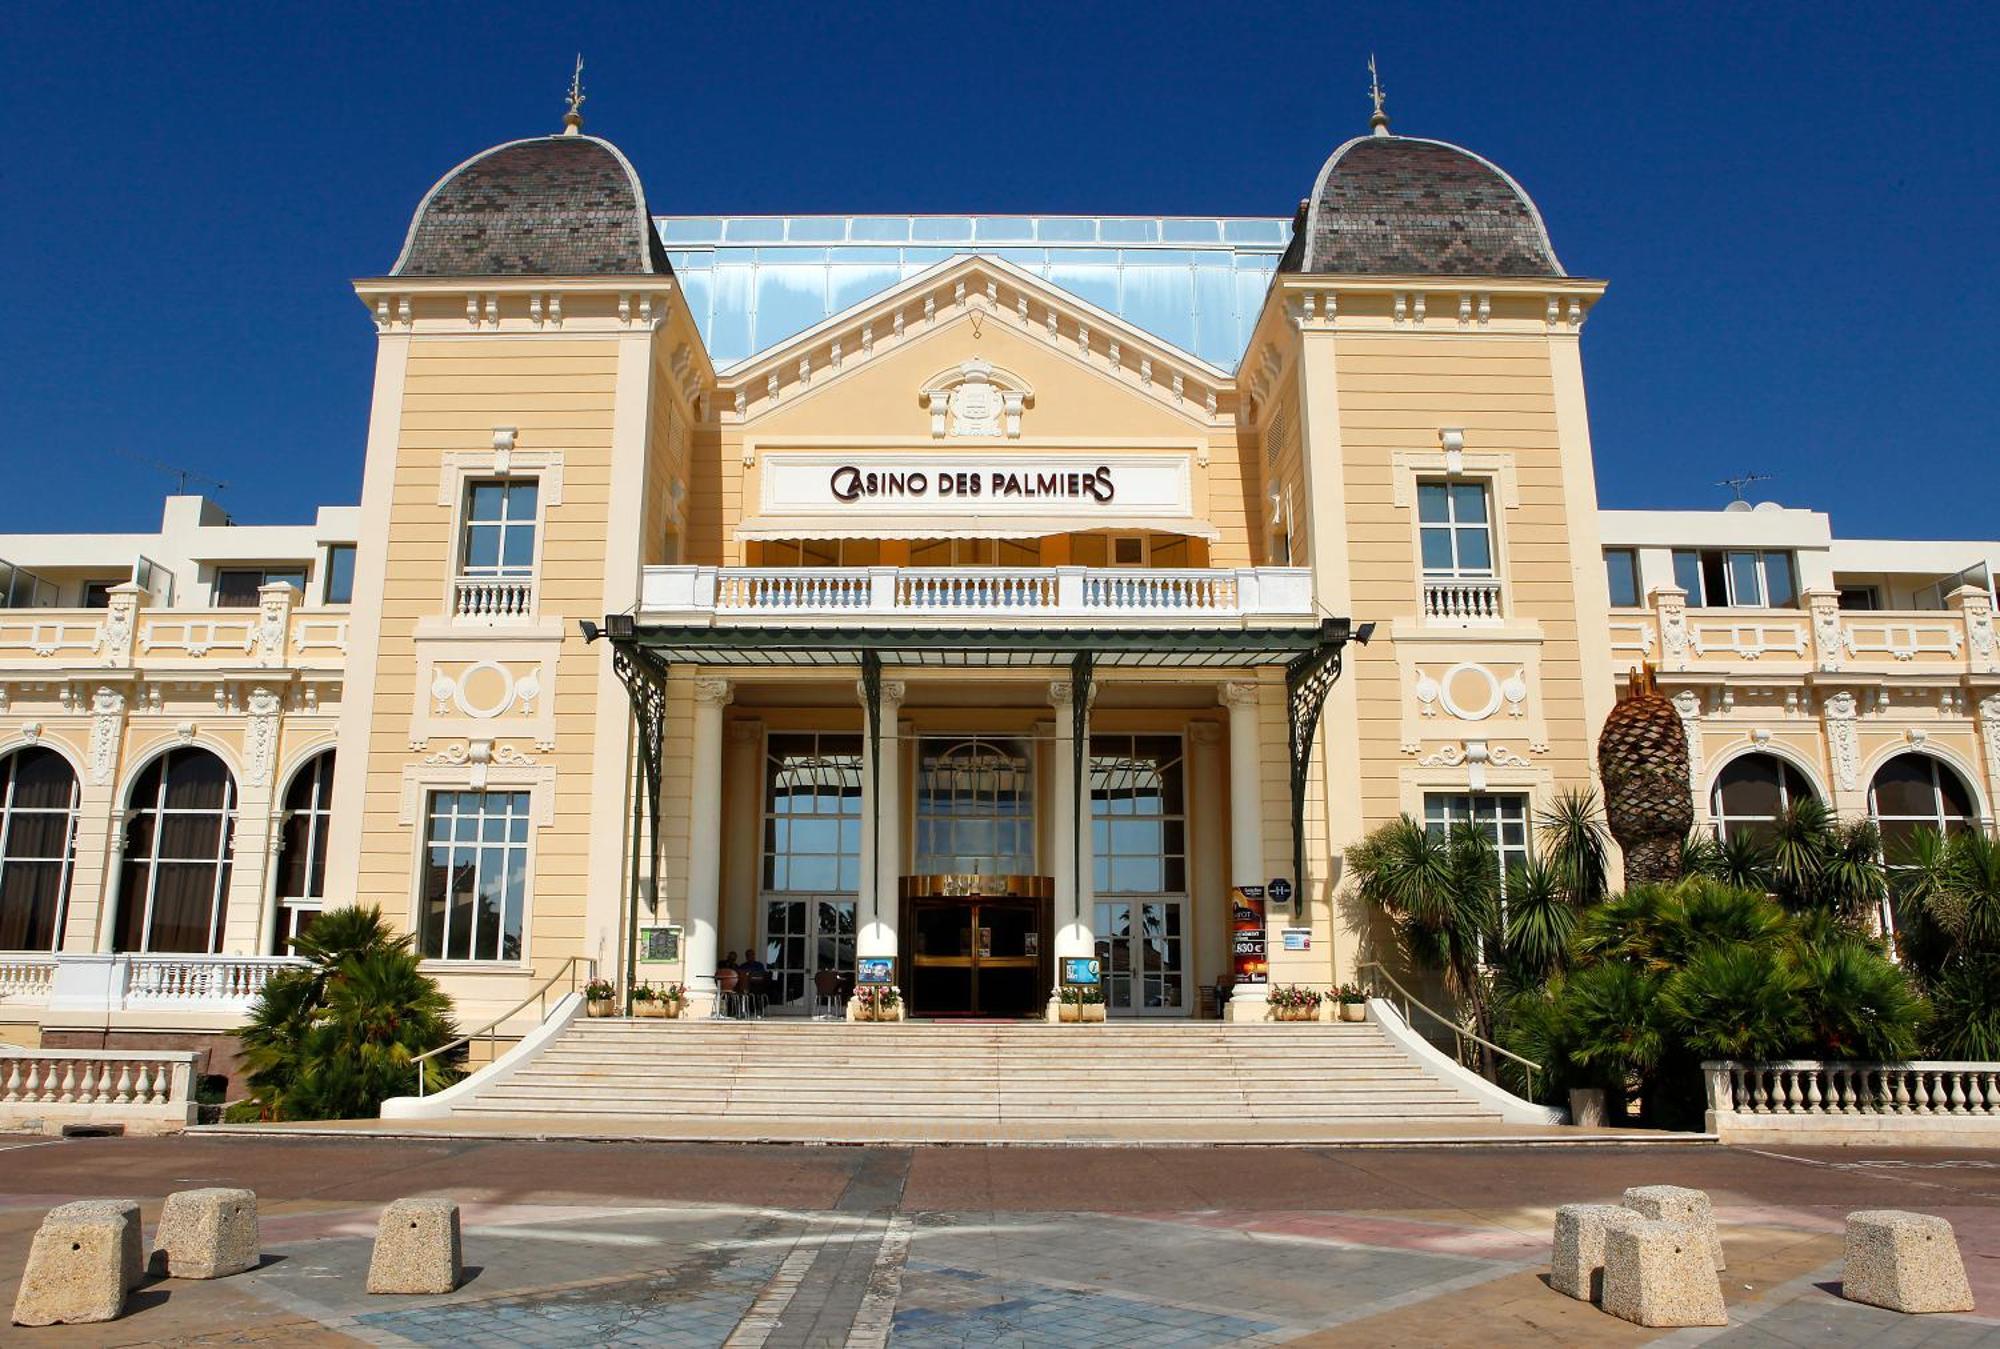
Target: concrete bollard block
pixel 1576 1264
pixel 76 1270
pixel 206 1234
pixel 417 1248
pixel 132 1255
pixel 1907 1262
pixel 1675 1204
pixel 1659 1274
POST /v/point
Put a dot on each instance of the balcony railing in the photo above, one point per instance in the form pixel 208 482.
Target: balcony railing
pixel 1820 636
pixel 990 594
pixel 97 983
pixel 493 599
pixel 1461 599
pixel 26 977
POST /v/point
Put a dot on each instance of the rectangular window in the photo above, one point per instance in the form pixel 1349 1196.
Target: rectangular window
pixel 1621 571
pixel 476 876
pixel 339 574
pixel 499 528
pixel 812 813
pixel 975 806
pixel 237 587
pixel 1138 815
pixel 97 594
pixel 1716 578
pixel 1860 598
pixel 1503 818
pixel 1457 535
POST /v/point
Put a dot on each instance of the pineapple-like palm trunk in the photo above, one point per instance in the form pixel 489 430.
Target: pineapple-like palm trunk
pixel 1642 756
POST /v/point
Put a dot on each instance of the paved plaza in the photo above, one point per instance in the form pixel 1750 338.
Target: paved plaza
pixel 685 1244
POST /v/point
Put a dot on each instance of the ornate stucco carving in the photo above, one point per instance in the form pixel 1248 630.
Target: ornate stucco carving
pixel 1672 608
pixel 1989 733
pixel 1688 703
pixel 976 399
pixel 260 736
pixel 1843 738
pixel 107 728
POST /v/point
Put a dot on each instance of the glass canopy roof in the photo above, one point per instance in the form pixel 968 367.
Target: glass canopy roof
pixel 1197 282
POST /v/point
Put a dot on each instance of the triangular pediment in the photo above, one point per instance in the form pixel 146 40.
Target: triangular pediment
pixel 991 310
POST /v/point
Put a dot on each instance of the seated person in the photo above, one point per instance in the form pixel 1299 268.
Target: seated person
pixel 753 967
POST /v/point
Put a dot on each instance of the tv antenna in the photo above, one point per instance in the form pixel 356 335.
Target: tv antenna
pixel 1743 480
pixel 181 476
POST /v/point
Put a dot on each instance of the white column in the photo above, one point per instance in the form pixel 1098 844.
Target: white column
pixel 1071 856
pixel 1246 825
pixel 1208 877
pixel 881 780
pixel 704 858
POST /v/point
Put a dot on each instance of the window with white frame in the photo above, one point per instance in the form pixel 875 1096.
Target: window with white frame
pixel 1138 815
pixel 1502 817
pixel 1918 791
pixel 1621 577
pixel 178 844
pixel 301 875
pixel 1718 578
pixel 1456 528
pixel 1752 792
pixel 499 530
pixel 475 876
pixel 38 801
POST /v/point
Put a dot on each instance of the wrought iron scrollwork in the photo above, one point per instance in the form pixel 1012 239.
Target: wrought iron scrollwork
pixel 1309 677
pixel 871 693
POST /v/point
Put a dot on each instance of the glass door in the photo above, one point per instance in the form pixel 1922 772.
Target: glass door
pixel 801 938
pixel 1141 949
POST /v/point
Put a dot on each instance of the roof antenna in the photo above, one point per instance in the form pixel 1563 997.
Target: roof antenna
pixel 1379 123
pixel 573 119
pixel 181 476
pixel 1741 481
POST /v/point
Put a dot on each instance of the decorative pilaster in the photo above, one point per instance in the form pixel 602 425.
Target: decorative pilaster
pixel 1973 605
pixel 121 622
pixel 1670 606
pixel 1070 799
pixel 1840 711
pixel 1827 638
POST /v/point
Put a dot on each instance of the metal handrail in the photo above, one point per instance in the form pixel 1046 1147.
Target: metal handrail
pixel 1459 1033
pixel 539 996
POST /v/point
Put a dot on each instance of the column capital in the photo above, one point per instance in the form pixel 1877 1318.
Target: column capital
pixel 892 694
pixel 1062 692
pixel 1241 693
pixel 713 692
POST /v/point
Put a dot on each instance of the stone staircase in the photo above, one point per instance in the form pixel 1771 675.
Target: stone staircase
pixel 674 1074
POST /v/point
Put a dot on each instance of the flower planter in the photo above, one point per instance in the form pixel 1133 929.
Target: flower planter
pixel 1295 1013
pixel 654 1008
pixel 1353 1011
pixel 1093 1011
pixel 672 1008
pixel 602 1007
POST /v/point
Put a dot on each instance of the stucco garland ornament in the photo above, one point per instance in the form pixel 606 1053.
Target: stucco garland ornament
pixel 1642 756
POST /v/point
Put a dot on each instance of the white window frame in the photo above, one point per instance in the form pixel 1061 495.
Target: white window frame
pixel 1504 853
pixel 319 818
pixel 478 846
pixel 1732 599
pixel 224 860
pixel 476 766
pixel 1458 571
pixel 1721 820
pixel 952 740
pixel 9 814
pixel 460 468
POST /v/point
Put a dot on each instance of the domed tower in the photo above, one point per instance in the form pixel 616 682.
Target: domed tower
pixel 540 391
pixel 1415 392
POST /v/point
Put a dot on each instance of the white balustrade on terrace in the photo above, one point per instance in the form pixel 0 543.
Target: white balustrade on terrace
pixel 1074 594
pixel 236 634
pixel 153 1090
pixel 39 633
pixel 493 599
pixel 25 977
pixel 1749 640
pixel 197 984
pixel 1933 1098
pixel 1459 599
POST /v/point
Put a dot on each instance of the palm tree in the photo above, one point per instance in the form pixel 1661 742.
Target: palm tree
pixel 1818 862
pixel 334 1038
pixel 1642 755
pixel 1442 891
pixel 1948 931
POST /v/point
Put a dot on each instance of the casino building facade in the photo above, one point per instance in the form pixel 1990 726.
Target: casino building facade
pixel 971 594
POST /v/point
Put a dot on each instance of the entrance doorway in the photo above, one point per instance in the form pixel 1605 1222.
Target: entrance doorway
pixel 1142 951
pixel 975 955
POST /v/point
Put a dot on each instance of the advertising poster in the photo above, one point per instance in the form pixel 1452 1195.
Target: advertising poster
pixel 875 970
pixel 1081 970
pixel 1253 965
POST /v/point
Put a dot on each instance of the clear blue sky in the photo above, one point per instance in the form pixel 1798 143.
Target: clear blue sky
pixel 1796 205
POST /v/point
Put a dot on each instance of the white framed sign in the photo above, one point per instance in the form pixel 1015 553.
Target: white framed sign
pixel 874 483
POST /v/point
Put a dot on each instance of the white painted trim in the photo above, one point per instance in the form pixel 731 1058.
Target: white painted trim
pixel 1512 1108
pixel 513 1061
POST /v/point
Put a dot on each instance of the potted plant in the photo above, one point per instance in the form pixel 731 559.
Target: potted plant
pixel 1082 1002
pixel 1353 1001
pixel 600 998
pixel 1289 1002
pixel 877 1002
pixel 646 1001
pixel 673 1000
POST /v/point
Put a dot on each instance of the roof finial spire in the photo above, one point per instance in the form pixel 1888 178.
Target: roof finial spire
pixel 573 119
pixel 1380 121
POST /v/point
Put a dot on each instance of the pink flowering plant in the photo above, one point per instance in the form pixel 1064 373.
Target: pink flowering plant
pixel 1292 998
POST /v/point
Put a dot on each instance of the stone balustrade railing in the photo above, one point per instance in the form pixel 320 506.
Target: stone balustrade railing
pixel 129 632
pixel 26 977
pixel 1461 600
pixel 47 1088
pixel 97 984
pixel 1820 636
pixel 1077 594
pixel 493 599
pixel 1920 1101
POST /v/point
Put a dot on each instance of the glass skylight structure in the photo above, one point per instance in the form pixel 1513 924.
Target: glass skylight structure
pixel 1197 282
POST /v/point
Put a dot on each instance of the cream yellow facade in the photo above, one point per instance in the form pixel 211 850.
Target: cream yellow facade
pixel 644 656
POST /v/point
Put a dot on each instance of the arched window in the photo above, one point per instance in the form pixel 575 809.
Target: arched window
pixel 1918 791
pixel 302 859
pixel 175 885
pixel 38 796
pixel 975 807
pixel 1752 791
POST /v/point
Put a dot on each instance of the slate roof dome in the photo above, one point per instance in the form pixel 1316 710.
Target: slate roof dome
pixel 562 205
pixel 1402 206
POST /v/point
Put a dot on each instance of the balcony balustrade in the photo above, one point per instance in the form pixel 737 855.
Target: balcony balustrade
pixel 493 599
pixel 98 984
pixel 989 594
pixel 1822 636
pixel 1461 599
